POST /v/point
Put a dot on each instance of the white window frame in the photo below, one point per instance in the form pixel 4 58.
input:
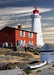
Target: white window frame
pixel 11 44
pixel 30 35
pixel 22 33
pixel 22 42
pixel 30 42
pixel 5 44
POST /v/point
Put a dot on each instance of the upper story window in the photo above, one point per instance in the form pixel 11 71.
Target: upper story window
pixel 22 33
pixel 30 35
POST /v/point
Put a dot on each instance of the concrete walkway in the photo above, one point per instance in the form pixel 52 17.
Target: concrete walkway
pixel 12 72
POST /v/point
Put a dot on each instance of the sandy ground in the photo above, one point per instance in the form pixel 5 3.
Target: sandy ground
pixel 14 59
pixel 46 70
pixel 19 58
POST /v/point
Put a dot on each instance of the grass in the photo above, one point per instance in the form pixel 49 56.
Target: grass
pixel 38 71
pixel 31 55
pixel 34 52
pixel 28 71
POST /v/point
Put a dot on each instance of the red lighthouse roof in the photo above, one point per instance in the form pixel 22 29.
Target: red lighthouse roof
pixel 36 11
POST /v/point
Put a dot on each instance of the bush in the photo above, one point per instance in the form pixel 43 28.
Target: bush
pixel 34 52
pixel 10 66
pixel 28 71
pixel 6 66
pixel 3 66
pixel 53 65
pixel 38 70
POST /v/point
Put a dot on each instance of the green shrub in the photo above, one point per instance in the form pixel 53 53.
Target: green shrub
pixel 36 53
pixel 38 71
pixel 53 65
pixel 28 71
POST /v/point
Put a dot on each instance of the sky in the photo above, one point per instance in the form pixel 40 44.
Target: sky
pixel 18 12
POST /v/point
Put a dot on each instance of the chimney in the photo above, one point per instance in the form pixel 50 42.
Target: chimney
pixel 20 27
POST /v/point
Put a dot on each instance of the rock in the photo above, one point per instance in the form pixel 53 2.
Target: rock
pixel 11 66
pixel 3 66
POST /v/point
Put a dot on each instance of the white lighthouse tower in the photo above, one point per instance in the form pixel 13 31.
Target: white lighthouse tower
pixel 36 26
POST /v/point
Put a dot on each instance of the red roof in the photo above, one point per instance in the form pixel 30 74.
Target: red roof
pixel 17 29
pixel 36 11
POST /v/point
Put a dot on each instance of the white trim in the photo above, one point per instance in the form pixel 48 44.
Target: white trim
pixel 22 42
pixel 22 33
pixel 30 42
pixel 5 44
pixel 30 35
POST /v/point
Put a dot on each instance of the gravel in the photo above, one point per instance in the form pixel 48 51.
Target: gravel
pixel 45 70
pixel 12 72
pixel 7 57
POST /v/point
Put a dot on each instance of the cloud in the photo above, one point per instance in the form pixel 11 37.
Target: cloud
pixel 49 37
pixel 52 28
pixel 47 24
pixel 2 23
pixel 16 12
pixel 30 9
pixel 21 10
pixel 48 18
pixel 44 24
pixel 18 15
pixel 52 42
pixel 48 32
pixel 26 26
pixel 45 9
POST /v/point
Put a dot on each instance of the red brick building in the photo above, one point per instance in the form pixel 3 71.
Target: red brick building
pixel 11 36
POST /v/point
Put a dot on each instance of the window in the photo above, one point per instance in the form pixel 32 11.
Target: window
pixel 22 33
pixel 11 44
pixel 23 42
pixel 30 42
pixel 18 43
pixel 30 35
pixel 5 44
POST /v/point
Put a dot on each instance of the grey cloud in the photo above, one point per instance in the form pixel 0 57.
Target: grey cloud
pixel 26 3
pixel 48 26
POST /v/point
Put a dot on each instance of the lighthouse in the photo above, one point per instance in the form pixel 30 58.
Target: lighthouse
pixel 36 26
